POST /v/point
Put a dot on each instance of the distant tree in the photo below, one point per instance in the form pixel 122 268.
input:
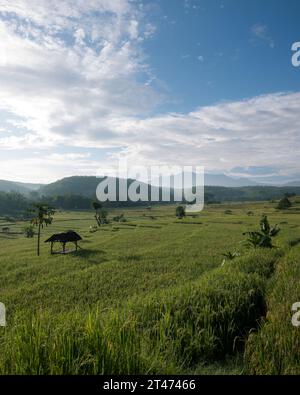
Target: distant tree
pixel 29 231
pixel 264 237
pixel 284 203
pixel 43 215
pixel 97 207
pixel 180 212
pixel 250 213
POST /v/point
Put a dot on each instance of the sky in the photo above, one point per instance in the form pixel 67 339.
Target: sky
pixel 158 82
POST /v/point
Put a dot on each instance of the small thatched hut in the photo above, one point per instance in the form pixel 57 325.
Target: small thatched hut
pixel 64 238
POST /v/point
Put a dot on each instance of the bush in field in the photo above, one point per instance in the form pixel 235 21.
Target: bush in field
pixel 228 212
pixel 180 212
pixel 264 237
pixel 284 204
pixel 29 231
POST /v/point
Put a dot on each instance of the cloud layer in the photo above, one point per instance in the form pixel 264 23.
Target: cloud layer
pixel 73 74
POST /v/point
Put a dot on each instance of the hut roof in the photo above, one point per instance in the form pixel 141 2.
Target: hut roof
pixel 65 237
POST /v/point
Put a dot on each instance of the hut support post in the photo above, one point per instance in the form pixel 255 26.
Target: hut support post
pixel 51 247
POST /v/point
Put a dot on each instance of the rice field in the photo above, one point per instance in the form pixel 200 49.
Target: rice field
pixel 152 294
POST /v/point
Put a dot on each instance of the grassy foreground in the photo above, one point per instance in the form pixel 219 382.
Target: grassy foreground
pixel 151 296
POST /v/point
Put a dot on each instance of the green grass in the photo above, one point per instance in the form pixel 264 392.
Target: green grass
pixel 275 348
pixel 144 296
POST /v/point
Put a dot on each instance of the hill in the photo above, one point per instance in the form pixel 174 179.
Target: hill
pixel 75 185
pixel 221 180
pixel 86 186
pixel 20 187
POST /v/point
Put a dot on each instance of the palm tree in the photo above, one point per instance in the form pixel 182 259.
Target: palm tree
pixel 43 215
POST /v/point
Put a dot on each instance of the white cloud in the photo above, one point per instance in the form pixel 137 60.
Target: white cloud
pixel 71 64
pixel 73 74
pixel 262 131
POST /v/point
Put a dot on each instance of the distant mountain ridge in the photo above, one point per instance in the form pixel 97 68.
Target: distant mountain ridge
pixel 20 187
pixel 87 185
pixel 292 184
pixel 221 180
pixel 78 192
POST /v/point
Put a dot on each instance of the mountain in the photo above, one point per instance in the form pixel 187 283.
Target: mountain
pixel 75 185
pixel 221 180
pixel 30 186
pixel 218 180
pixel 20 187
pixel 87 185
pixel 84 186
pixel 292 184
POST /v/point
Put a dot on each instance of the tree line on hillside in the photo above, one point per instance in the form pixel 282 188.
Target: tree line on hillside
pixel 13 203
pixel 16 204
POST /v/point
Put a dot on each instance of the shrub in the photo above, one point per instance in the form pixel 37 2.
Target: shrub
pixel 284 203
pixel 29 231
pixel 180 212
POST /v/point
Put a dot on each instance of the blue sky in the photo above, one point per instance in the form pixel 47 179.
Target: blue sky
pixel 180 82
pixel 244 49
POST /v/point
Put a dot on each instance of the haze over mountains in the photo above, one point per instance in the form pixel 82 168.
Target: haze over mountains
pixel 20 187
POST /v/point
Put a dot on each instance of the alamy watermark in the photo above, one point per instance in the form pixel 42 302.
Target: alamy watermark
pixel 296 315
pixel 2 315
pixel 154 184
pixel 296 56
